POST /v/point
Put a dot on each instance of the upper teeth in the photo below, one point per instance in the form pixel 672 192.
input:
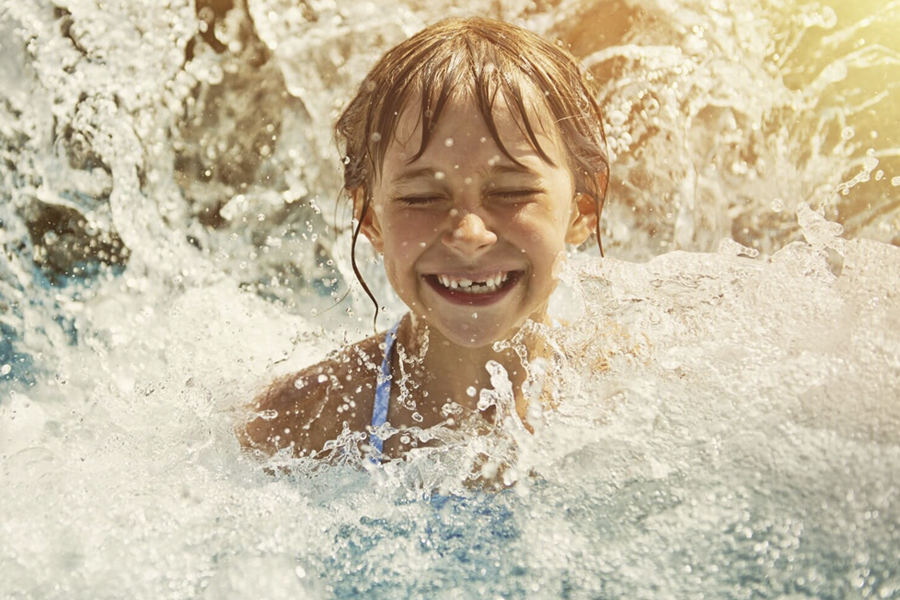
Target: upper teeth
pixel 486 285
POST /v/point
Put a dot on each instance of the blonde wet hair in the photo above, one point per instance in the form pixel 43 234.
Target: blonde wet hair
pixel 487 59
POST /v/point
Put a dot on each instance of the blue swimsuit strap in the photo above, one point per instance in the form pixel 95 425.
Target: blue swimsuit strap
pixel 382 393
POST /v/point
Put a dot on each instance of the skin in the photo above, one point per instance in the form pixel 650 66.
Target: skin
pixel 462 210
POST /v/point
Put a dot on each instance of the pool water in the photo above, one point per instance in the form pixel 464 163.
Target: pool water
pixel 171 241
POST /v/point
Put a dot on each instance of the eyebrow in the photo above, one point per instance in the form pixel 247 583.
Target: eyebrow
pixel 412 174
pixel 510 168
pixel 430 173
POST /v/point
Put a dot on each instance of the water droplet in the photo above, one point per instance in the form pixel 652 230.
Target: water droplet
pixel 5 369
pixel 322 378
pixel 848 133
pixel 617 118
pixel 439 175
pixel 448 142
pixel 777 205
pixel 895 181
pixel 376 137
pixel 471 391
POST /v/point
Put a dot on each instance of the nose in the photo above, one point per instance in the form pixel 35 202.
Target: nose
pixel 469 235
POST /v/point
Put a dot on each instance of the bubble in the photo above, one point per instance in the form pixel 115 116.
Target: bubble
pixel 848 133
pixel 5 369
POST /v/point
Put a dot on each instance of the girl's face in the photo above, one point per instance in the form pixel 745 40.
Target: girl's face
pixel 471 241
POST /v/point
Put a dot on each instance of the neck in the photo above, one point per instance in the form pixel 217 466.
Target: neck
pixel 448 371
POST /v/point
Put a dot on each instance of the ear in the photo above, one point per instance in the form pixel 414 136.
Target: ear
pixel 369 224
pixel 583 222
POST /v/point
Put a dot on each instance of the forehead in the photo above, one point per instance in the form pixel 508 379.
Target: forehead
pixel 462 120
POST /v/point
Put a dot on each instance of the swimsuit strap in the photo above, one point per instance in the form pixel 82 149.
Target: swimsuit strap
pixel 383 392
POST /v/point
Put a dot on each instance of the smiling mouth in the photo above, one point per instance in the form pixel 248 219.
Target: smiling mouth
pixel 477 290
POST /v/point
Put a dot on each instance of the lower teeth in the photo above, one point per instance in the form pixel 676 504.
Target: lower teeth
pixel 475 288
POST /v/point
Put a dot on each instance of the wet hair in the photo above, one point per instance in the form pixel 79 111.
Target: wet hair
pixel 483 58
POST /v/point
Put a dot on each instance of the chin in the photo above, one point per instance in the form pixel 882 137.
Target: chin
pixel 471 335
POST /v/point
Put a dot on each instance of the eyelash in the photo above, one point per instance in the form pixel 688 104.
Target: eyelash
pixel 418 200
pixel 517 194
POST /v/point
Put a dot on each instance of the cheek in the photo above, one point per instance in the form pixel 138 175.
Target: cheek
pixel 541 231
pixel 405 232
pixel 405 238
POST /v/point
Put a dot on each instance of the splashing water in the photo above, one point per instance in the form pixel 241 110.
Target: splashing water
pixel 728 420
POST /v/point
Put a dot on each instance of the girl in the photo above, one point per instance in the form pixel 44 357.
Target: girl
pixel 474 152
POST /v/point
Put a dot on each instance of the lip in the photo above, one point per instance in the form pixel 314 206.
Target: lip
pixel 468 299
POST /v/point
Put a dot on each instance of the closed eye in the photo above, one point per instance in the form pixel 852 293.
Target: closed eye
pixel 422 200
pixel 515 195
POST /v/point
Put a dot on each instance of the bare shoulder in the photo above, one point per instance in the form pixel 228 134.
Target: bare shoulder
pixel 304 410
